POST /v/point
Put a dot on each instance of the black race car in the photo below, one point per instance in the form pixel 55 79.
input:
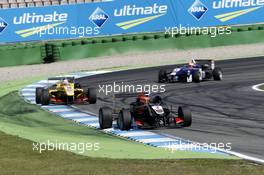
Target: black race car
pixel 145 113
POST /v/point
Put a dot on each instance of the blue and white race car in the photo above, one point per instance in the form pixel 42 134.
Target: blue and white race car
pixel 195 71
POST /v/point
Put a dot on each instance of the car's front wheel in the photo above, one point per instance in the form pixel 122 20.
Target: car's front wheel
pixel 218 74
pixel 38 94
pixel 185 114
pixel 45 99
pixel 162 77
pixel 91 95
pixel 124 119
pixel 105 118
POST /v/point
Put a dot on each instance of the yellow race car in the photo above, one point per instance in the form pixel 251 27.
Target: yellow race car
pixel 65 91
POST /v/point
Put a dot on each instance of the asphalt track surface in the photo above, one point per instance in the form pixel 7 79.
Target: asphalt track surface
pixel 228 111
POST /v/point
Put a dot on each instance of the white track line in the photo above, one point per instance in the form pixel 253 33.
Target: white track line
pixel 256 87
pixel 60 110
pixel 243 156
pixel 153 140
pixel 29 98
pixel 56 107
pixel 28 90
pixel 93 124
pixel 131 134
pixel 75 114
pixel 35 85
pixel 187 147
pixel 28 94
pixel 48 81
pixel 88 119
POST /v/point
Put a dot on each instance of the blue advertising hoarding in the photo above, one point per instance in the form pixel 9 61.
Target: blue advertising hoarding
pixel 123 17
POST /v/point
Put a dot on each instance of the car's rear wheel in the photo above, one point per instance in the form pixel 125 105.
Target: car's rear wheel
pixel 45 99
pixel 162 77
pixel 91 95
pixel 105 118
pixel 218 74
pixel 185 114
pixel 38 94
pixel 197 77
pixel 124 119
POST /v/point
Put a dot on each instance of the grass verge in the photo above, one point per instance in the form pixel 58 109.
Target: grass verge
pixel 17 157
pixel 6 87
pixel 261 87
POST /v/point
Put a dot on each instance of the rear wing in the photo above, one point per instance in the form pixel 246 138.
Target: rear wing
pixel 116 108
pixel 210 62
pixel 70 79
pixel 125 95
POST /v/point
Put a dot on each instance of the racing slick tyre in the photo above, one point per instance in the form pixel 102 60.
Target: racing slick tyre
pixel 91 95
pixel 162 78
pixel 197 77
pixel 38 94
pixel 218 74
pixel 45 98
pixel 124 120
pixel 105 118
pixel 185 114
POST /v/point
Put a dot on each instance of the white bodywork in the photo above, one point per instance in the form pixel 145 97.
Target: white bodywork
pixel 158 109
pixel 174 72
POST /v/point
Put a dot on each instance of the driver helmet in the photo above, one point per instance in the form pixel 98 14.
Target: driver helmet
pixel 157 99
pixel 143 97
pixel 192 63
pixel 65 81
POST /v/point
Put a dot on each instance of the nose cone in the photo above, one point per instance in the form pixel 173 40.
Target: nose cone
pixel 69 90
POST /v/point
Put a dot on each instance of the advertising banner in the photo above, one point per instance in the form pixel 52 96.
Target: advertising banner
pixel 123 17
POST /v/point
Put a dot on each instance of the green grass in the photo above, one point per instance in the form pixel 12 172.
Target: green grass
pixel 261 87
pixel 9 86
pixel 17 157
pixel 31 122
